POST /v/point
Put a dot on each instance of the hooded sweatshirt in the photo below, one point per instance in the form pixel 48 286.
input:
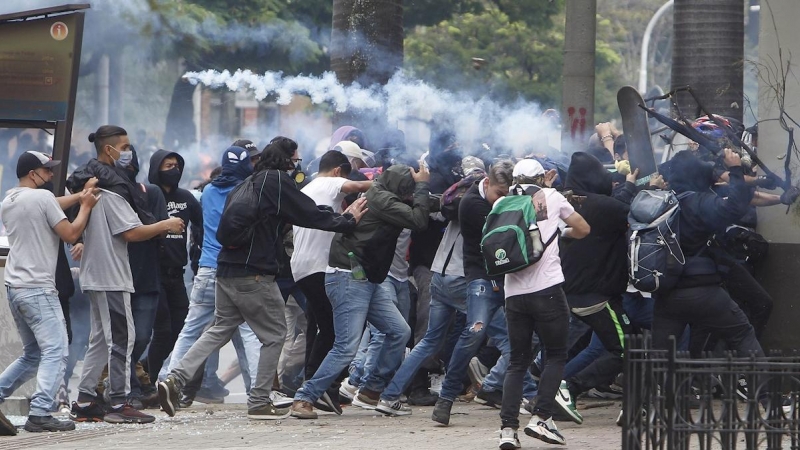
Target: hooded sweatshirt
pixel 595 267
pixel 180 203
pixel 374 239
pixel 236 168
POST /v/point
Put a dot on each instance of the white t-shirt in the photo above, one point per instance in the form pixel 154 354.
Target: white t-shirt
pixel 547 272
pixel 29 216
pixel 312 247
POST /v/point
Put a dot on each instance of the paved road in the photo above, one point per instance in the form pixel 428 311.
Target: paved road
pixel 226 426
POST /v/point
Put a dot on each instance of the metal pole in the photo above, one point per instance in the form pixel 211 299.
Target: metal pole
pixel 646 44
pixel 577 107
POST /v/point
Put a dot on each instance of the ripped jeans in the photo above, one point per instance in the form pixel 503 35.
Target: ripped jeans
pixel 485 315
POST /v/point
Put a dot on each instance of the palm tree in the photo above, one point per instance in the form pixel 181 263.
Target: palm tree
pixel 708 55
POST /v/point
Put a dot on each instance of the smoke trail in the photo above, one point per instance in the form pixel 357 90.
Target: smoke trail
pixel 517 127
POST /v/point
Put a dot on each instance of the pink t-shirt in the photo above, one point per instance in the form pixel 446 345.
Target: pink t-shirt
pixel 547 272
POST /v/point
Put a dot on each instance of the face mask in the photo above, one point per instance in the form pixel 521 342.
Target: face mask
pixel 47 185
pixel 170 177
pixel 125 158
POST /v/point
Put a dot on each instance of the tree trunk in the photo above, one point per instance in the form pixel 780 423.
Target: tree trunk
pixel 366 47
pixel 708 55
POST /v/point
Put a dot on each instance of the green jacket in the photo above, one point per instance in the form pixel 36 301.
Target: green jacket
pixel 375 237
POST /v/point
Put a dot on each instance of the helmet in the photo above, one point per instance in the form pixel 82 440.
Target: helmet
pixel 709 128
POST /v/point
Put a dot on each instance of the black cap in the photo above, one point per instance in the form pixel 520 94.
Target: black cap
pixel 248 145
pixel 32 160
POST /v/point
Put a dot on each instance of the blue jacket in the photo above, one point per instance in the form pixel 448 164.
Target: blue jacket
pixel 213 201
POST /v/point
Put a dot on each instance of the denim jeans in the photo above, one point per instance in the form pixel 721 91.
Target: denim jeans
pixel 371 346
pixel 485 316
pixel 200 317
pixel 43 331
pixel 548 315
pixel 143 308
pixel 354 302
pixel 448 302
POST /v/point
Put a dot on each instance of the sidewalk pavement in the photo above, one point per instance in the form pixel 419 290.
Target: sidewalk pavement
pixel 226 426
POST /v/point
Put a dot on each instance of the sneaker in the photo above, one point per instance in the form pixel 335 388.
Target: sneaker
pixel 788 406
pixel 150 400
pixel 6 427
pixel 509 439
pixel 280 400
pixel 91 413
pixel 209 397
pixel 326 403
pixel 268 412
pixel 303 410
pixel 184 402
pixel 477 371
pixel 363 399
pixel 544 430
pixel 127 414
pixel 741 389
pixel 136 403
pixel 441 411
pixel 526 407
pixel 347 390
pixel 567 405
pixel 612 392
pixel 393 408
pixel 168 395
pixel 436 381
pixel 37 424
pixel 619 419
pixel 493 399
pixel 422 397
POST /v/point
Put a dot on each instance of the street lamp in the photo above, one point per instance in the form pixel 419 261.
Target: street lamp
pixel 646 44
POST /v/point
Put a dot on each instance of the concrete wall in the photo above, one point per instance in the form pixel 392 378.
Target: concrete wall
pixel 780 275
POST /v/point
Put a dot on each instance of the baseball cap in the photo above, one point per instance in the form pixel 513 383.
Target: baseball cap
pixel 32 160
pixel 470 164
pixel 352 150
pixel 528 168
pixel 247 144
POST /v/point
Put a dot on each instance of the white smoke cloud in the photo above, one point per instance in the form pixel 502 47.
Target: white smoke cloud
pixel 518 127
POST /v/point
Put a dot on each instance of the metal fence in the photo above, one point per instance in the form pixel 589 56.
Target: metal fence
pixel 674 402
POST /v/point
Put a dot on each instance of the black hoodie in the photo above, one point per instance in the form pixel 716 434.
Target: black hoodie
pixel 180 203
pixel 595 267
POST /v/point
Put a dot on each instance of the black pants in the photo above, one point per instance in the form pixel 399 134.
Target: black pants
pixel 611 325
pixel 548 315
pixel 708 310
pixel 319 315
pixel 173 306
pixel 748 293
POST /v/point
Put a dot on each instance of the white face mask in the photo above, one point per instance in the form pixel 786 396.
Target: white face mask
pixel 125 158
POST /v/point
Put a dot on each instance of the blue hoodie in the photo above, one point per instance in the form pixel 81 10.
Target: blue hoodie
pixel 235 168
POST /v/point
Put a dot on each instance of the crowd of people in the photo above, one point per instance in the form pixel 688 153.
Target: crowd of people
pixel 365 281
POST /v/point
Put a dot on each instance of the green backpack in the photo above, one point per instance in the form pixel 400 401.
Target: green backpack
pixel 511 238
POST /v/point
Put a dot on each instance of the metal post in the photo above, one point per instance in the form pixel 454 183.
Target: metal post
pixel 646 44
pixel 577 106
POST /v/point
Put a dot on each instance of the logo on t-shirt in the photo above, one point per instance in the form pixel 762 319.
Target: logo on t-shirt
pixel 500 254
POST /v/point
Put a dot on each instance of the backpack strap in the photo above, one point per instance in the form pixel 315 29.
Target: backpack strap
pixel 450 255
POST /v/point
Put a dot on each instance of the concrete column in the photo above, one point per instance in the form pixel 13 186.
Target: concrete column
pixel 779 274
pixel 577 107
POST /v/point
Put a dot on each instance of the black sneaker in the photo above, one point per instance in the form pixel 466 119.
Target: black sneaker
pixel 91 413
pixel 209 396
pixel 422 397
pixel 741 389
pixel 185 401
pixel 493 399
pixel 441 411
pixel 328 404
pixel 268 412
pixel 127 414
pixel 6 427
pixel 37 424
pixel 168 391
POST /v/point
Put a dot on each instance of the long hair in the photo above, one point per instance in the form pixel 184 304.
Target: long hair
pixel 277 155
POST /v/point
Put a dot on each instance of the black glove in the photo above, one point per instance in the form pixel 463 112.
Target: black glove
pixel 790 196
pixel 768 182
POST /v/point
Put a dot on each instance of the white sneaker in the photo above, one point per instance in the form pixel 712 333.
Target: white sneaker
pixel 347 390
pixel 567 405
pixel 362 401
pixel 280 400
pixel 436 383
pixel 526 407
pixel 544 430
pixel 393 408
pixel 509 439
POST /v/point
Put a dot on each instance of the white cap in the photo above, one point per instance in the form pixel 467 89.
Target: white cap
pixel 528 168
pixel 352 150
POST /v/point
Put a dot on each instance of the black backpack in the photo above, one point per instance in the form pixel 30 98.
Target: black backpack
pixel 655 258
pixel 240 217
